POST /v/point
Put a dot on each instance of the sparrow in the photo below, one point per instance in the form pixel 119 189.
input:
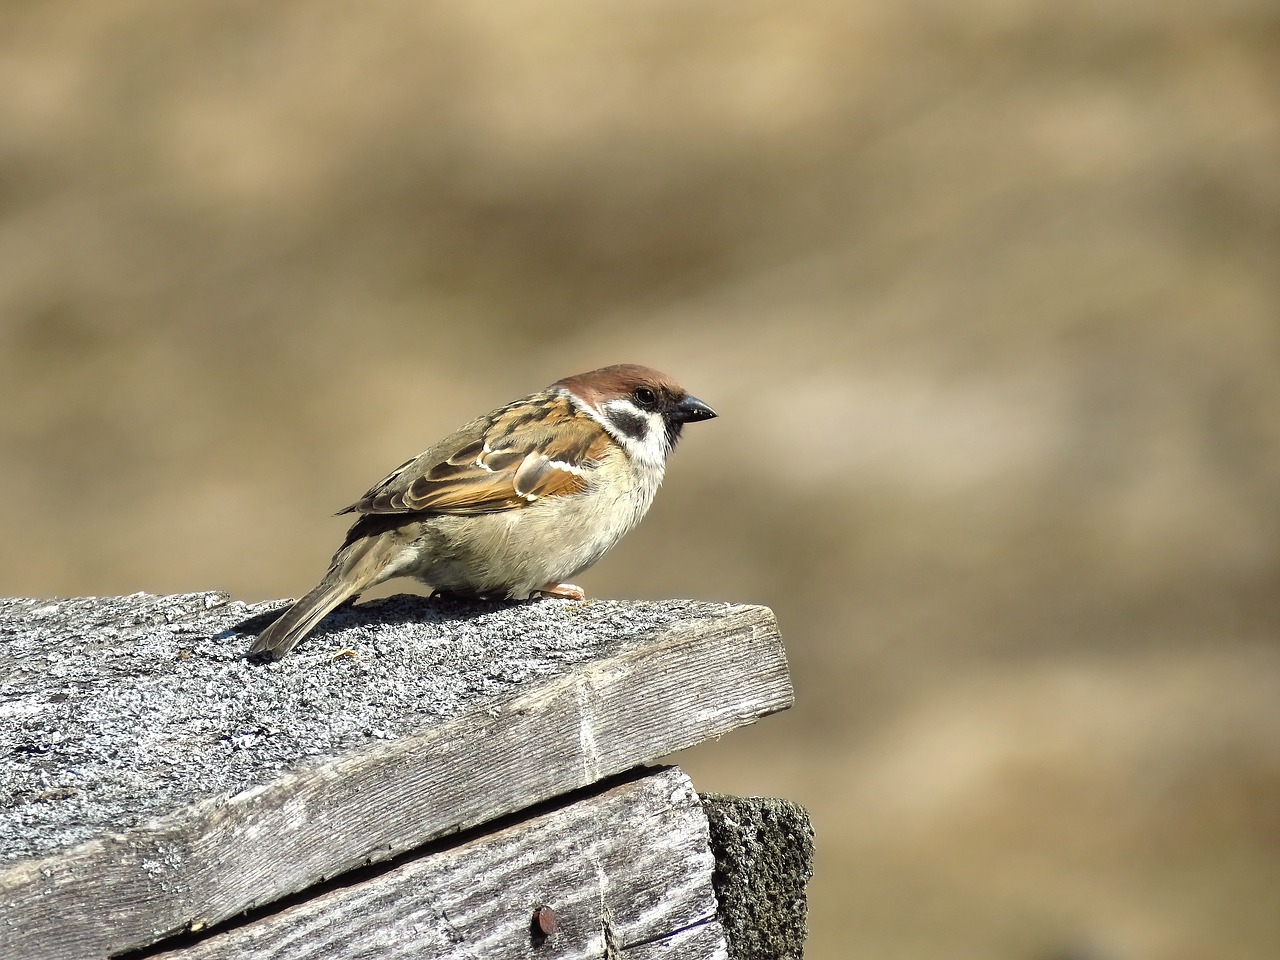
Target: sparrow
pixel 514 504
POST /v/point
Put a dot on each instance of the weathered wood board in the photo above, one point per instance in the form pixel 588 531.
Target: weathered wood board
pixel 158 781
pixel 629 867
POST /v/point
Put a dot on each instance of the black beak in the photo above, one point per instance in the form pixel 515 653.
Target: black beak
pixel 690 409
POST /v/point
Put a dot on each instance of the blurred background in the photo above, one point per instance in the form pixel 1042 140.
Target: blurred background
pixel 987 296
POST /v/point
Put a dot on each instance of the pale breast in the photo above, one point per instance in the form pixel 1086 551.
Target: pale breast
pixel 515 552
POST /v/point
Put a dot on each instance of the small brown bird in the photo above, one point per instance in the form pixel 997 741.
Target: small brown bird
pixel 514 504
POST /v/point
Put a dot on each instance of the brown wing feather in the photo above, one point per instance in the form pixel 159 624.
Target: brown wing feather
pixel 534 448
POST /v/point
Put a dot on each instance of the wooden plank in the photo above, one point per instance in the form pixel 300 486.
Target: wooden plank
pixel 630 866
pixel 486 709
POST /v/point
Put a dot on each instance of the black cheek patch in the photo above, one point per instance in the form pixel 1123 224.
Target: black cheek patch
pixel 629 423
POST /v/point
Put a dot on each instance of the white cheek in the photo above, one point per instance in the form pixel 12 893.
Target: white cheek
pixel 651 450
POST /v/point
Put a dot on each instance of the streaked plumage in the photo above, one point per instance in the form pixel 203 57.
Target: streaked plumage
pixel 513 504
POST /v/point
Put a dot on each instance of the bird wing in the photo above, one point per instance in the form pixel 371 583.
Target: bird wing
pixel 531 449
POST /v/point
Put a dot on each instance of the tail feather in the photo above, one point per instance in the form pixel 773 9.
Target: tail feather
pixel 282 636
pixel 356 567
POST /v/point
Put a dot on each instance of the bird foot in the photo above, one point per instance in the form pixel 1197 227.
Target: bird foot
pixel 566 591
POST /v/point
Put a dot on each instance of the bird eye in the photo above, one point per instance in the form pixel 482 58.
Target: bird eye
pixel 646 398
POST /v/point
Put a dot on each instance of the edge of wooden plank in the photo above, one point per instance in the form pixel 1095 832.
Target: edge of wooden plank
pixel 629 864
pixel 220 857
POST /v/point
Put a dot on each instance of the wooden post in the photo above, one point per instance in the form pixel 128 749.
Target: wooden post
pixel 455 765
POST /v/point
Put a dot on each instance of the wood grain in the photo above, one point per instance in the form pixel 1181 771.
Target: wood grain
pixel 630 866
pixel 654 693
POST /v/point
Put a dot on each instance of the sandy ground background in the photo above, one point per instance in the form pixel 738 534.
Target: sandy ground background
pixel 988 297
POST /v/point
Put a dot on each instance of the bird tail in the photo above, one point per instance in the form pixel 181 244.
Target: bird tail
pixel 356 567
